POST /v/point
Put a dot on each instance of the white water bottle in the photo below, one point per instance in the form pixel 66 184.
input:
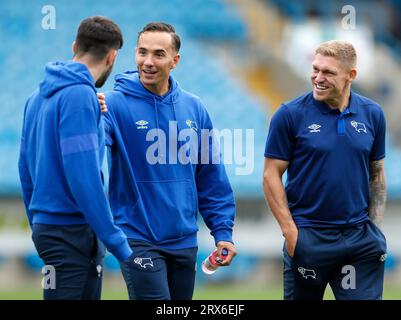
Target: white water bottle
pixel 210 264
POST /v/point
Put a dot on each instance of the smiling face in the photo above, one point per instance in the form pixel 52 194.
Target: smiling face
pixel 155 58
pixel 331 80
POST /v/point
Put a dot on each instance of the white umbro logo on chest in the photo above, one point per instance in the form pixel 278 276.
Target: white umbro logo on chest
pixel 141 124
pixel 314 128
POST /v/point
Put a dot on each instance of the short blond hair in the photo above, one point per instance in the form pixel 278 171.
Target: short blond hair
pixel 341 50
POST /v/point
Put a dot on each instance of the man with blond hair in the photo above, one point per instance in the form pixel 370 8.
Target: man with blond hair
pixel 331 142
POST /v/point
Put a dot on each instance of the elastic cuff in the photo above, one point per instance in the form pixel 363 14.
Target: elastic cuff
pixel 223 235
pixel 122 252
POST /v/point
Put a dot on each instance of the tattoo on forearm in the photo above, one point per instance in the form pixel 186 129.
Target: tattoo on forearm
pixel 378 195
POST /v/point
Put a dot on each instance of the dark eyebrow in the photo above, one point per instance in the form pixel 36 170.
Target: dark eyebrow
pixel 157 51
pixel 160 51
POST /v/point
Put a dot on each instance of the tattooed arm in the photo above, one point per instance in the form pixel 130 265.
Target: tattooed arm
pixel 378 194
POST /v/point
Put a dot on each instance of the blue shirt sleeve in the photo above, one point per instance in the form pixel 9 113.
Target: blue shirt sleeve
pixel 78 130
pixel 108 118
pixel 25 176
pixel 280 140
pixel 108 128
pixel 378 151
pixel 215 196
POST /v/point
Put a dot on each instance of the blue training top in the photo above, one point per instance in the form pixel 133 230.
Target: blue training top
pixel 155 195
pixel 61 155
pixel 329 154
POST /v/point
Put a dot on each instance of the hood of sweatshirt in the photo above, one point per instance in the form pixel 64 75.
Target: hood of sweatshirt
pixel 59 75
pixel 129 83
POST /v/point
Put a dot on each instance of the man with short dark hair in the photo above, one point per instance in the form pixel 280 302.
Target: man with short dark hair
pixel 60 166
pixel 331 142
pixel 157 189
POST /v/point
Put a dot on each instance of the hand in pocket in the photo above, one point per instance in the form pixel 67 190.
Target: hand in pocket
pixel 291 239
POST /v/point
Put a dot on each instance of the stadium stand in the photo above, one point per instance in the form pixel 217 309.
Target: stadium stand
pixel 371 16
pixel 382 16
pixel 27 47
pixel 32 47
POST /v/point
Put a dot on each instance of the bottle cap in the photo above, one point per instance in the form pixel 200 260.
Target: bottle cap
pixel 224 254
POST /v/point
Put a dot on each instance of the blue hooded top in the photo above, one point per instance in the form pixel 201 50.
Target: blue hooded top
pixel 61 153
pixel 156 185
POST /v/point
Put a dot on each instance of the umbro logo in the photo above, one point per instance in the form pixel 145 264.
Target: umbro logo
pixel 314 127
pixel 142 124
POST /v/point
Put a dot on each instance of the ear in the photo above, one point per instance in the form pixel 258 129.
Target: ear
pixel 352 74
pixel 111 57
pixel 74 48
pixel 176 60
